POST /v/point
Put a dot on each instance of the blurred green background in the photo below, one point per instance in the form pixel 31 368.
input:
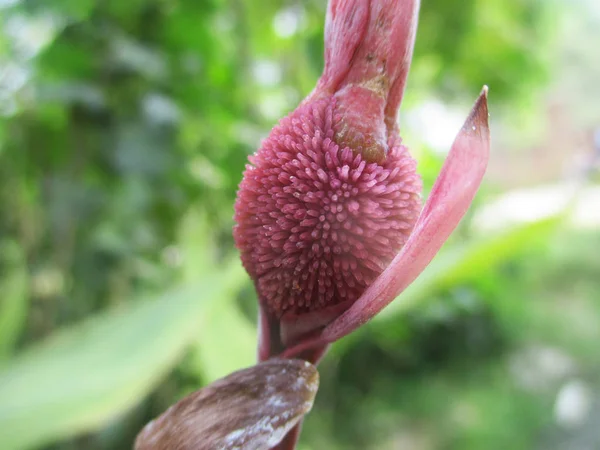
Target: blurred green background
pixel 124 129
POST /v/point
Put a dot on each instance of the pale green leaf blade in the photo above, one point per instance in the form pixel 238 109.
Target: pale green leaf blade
pixel 14 297
pixel 86 375
pixel 237 339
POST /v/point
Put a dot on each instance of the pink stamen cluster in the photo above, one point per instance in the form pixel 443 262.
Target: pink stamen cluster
pixel 316 223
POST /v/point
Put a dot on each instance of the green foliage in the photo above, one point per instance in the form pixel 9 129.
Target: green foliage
pixel 13 302
pixel 98 369
pixel 462 45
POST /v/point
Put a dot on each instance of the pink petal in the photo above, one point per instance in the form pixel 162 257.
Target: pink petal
pixel 370 43
pixel 401 42
pixel 345 26
pixel 448 202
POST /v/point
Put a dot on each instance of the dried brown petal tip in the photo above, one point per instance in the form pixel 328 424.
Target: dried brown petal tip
pixel 251 409
pixel 477 122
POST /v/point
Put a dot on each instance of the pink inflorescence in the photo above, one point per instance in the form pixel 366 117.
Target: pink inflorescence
pixel 316 223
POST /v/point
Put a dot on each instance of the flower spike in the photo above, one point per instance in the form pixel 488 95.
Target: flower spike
pixel 332 195
pixel 327 213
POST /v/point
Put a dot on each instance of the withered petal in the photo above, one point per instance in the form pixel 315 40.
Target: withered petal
pixel 251 409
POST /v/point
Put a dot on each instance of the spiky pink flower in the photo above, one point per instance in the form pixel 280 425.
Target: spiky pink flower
pixel 318 222
pixel 329 218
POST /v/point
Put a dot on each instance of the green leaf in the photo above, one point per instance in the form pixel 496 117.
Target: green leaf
pixel 86 375
pixel 197 240
pixel 71 9
pixel 14 295
pixel 224 322
pixel 237 339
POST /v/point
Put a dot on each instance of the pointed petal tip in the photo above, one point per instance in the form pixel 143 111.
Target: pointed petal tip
pixel 477 122
pixel 483 95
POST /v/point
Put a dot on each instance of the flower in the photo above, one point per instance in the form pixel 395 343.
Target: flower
pixel 329 219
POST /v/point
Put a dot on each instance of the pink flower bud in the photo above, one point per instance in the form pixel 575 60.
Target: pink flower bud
pixel 327 212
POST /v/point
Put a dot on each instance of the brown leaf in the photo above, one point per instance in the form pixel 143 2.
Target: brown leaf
pixel 251 409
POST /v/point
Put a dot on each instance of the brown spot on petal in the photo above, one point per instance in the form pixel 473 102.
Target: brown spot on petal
pixel 477 122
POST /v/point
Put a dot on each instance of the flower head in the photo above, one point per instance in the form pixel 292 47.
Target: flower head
pixel 318 222
pixel 327 213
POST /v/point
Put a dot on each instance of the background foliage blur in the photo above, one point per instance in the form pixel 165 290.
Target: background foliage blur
pixel 125 126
